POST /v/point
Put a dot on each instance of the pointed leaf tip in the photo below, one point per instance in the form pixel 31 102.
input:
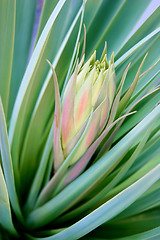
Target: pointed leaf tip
pixel 104 51
pixel 125 99
pixel 149 68
pixel 57 93
pixel 84 42
pixel 81 63
pixel 115 107
pixel 112 58
pixel 92 58
pixel 58 152
pixel 53 71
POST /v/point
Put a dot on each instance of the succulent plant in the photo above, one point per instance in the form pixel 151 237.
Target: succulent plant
pixel 80 137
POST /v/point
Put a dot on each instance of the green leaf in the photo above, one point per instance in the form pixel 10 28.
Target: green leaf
pixel 28 91
pixel 142 108
pixel 129 92
pixel 127 54
pixel 152 47
pixel 117 98
pixel 74 192
pixel 127 227
pixel 7 164
pixel 153 234
pixel 110 209
pixel 96 199
pixel 5 211
pixel 31 129
pixel 37 182
pixel 52 186
pixel 44 102
pixel 152 162
pixel 58 152
pixel 7 31
pixel 62 27
pixel 148 26
pixel 25 16
pixel 37 131
pixel 113 13
pixel 145 203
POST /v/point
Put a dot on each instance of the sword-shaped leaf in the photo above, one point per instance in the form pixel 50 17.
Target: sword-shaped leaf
pixel 58 152
pixel 123 102
pixel 110 209
pixel 7 164
pixel 117 97
pixel 5 211
pixel 7 36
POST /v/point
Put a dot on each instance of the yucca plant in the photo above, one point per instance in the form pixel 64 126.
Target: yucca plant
pixel 80 132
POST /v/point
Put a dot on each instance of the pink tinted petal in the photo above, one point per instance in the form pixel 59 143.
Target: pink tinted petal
pixel 71 145
pixel 78 168
pixel 68 125
pixel 82 104
pixel 92 132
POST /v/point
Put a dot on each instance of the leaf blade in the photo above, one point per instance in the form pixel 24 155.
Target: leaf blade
pixel 7 164
pixel 5 211
pixel 7 31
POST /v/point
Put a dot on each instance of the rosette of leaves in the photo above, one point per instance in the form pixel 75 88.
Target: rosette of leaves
pixel 103 183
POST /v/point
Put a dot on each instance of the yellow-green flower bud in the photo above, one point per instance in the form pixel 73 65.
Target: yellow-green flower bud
pixel 92 89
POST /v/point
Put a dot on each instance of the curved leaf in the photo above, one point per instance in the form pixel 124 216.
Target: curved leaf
pixel 5 211
pixel 7 164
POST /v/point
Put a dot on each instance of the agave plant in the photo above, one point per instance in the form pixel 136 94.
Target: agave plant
pixel 80 136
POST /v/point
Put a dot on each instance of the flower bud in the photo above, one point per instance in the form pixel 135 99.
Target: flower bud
pixel 92 89
pixel 90 108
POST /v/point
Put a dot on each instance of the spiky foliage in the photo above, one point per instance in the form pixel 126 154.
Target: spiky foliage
pixel 65 189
